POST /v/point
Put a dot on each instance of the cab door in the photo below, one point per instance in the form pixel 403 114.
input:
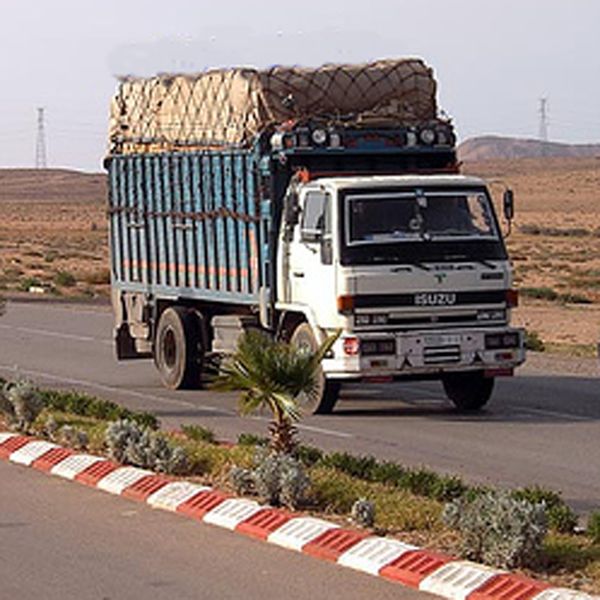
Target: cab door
pixel 312 263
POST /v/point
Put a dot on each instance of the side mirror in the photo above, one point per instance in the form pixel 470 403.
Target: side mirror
pixel 508 201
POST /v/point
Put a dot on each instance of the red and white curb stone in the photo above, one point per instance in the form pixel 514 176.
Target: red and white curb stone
pixel 421 569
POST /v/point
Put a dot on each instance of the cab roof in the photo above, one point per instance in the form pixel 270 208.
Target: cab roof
pixel 386 181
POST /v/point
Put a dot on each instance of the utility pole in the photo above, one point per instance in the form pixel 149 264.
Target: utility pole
pixel 543 110
pixel 40 145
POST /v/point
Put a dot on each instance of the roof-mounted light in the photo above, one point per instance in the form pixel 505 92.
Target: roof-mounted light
pixel 319 136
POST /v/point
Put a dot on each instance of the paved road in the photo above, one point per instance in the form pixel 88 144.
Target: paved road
pixel 62 540
pixel 541 427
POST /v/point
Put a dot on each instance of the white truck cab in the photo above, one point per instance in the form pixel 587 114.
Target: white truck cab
pixel 414 272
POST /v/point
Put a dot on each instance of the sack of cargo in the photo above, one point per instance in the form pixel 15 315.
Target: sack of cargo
pixel 229 107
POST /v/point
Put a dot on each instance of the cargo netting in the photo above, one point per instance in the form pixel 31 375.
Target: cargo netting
pixel 230 107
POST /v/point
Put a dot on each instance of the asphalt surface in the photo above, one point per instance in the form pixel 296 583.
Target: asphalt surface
pixel 60 540
pixel 541 427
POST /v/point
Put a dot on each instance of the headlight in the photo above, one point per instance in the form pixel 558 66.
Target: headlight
pixel 335 139
pixel 427 136
pixel 319 136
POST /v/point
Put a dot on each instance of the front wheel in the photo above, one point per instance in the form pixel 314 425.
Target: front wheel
pixel 468 391
pixel 327 392
pixel 178 348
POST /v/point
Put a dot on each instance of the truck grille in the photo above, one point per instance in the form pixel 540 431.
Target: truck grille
pixel 437 355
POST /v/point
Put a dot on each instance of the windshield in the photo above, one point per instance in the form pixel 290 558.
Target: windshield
pixel 417 215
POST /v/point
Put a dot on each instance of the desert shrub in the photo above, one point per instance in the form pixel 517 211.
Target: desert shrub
pixel 277 478
pixel 396 509
pixel 499 529
pixel 84 405
pixel 250 439
pixel 363 512
pixel 593 526
pixel 21 404
pixel 29 282
pixel 539 293
pixel 64 279
pixel 356 466
pixel 534 342
pixel 73 437
pixel 242 481
pixel 308 455
pixel 97 277
pixel 129 443
pixel 561 517
pixel 280 479
pixel 574 299
pixel 198 433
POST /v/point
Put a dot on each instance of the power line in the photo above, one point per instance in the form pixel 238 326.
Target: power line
pixel 40 144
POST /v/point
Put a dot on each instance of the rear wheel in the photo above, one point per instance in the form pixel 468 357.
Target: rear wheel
pixel 178 348
pixel 328 391
pixel 468 391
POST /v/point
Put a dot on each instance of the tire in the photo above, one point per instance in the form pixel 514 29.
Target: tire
pixel 468 391
pixel 178 348
pixel 327 391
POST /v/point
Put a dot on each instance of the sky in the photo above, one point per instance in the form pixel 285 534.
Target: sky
pixel 493 60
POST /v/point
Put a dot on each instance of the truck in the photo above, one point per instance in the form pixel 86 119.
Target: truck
pixel 302 202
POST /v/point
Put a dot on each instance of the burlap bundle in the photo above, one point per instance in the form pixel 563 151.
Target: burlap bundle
pixel 229 107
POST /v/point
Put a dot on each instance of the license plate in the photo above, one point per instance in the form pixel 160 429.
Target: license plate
pixel 442 340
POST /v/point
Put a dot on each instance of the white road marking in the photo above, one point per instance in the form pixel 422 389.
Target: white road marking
pixel 112 389
pixel 312 428
pixel 57 334
pixel 550 413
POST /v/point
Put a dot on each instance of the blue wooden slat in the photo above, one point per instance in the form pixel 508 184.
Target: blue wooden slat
pixel 149 209
pixel 115 228
pixel 123 219
pixel 221 266
pixel 242 226
pixel 160 221
pixel 131 220
pixel 199 233
pixel 190 235
pixel 178 232
pixel 254 238
pixel 231 245
pixel 171 255
pixel 209 224
pixel 140 200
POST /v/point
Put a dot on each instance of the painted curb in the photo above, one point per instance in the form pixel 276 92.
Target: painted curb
pixel 392 559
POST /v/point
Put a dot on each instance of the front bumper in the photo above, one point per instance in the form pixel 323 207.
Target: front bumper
pixel 428 353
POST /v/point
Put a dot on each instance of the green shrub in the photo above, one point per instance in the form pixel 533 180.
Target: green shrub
pixel 499 529
pixel 199 433
pixel 534 342
pixel 64 279
pixel 561 517
pixel 356 466
pixel 308 455
pixel 250 439
pixel 21 403
pixel 129 443
pixel 539 293
pixel 84 405
pixel 363 512
pixel 279 479
pixel 593 526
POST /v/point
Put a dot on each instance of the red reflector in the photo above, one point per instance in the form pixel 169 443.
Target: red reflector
pixel 512 298
pixel 351 346
pixel 500 372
